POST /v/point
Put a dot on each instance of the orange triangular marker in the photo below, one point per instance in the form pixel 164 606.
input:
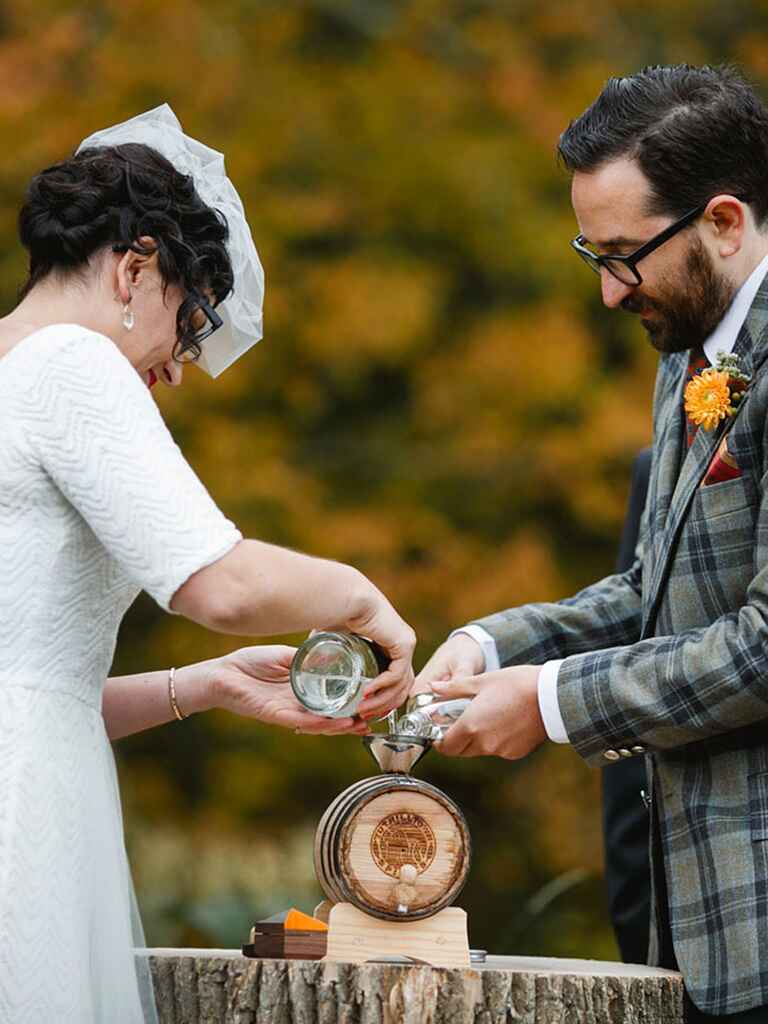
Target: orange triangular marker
pixel 295 921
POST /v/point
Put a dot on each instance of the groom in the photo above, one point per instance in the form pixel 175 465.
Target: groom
pixel 669 660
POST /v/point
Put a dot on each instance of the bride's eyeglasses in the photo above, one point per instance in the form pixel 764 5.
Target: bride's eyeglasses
pixel 197 321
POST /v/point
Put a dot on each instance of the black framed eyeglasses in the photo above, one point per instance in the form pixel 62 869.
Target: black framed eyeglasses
pixel 200 320
pixel 624 268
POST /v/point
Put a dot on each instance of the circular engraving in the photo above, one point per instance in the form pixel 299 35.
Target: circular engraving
pixel 403 838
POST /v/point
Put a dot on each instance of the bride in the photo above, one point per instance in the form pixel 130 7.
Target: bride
pixel 138 263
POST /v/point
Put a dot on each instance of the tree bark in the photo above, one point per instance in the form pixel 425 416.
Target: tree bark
pixel 223 987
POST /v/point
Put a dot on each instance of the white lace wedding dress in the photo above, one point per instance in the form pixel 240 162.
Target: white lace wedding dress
pixel 96 503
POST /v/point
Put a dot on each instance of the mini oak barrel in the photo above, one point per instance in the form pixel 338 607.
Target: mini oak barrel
pixel 395 847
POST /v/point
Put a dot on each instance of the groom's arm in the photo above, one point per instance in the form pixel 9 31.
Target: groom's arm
pixel 536 634
pixel 667 692
pixel 610 610
pixel 543 634
pixel 605 614
pixel 659 693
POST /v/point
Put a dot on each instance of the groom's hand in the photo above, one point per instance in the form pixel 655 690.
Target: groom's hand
pixel 503 719
pixel 460 656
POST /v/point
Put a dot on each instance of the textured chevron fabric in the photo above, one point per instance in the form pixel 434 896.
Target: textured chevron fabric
pixel 96 503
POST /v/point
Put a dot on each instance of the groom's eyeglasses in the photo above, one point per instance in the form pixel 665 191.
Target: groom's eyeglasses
pixel 624 268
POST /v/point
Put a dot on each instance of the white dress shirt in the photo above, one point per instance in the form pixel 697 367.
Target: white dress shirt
pixel 722 339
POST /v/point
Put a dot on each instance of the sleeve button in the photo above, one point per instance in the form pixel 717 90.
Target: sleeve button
pixel 638 750
pixel 624 752
pixel 611 755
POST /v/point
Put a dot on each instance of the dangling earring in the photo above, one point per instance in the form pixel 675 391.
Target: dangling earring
pixel 128 318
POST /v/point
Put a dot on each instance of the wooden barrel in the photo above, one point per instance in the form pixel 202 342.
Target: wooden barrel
pixel 395 847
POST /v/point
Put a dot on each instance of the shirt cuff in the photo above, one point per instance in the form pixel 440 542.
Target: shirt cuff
pixel 487 645
pixel 548 703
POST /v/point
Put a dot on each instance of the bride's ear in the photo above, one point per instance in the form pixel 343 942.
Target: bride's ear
pixel 133 268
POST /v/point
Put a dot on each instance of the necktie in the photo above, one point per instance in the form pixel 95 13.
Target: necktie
pixel 696 363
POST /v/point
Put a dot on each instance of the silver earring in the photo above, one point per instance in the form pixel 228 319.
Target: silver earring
pixel 128 318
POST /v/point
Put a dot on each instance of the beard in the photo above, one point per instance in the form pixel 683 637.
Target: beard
pixel 686 313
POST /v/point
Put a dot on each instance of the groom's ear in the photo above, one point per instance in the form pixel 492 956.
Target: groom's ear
pixel 725 222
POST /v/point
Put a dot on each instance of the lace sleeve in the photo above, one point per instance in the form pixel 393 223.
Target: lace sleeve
pixel 99 435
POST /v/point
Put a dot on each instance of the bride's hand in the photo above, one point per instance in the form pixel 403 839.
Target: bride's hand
pixel 376 619
pixel 254 682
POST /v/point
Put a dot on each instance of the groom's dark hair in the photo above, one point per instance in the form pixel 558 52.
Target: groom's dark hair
pixel 695 132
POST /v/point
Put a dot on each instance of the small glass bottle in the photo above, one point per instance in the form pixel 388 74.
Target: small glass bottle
pixel 330 671
pixel 432 717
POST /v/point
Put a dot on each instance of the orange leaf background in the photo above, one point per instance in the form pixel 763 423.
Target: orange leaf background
pixel 439 397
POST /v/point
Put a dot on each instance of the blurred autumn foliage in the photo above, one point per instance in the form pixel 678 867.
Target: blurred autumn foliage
pixel 439 399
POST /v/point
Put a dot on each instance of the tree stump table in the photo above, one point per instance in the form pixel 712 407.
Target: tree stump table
pixel 218 986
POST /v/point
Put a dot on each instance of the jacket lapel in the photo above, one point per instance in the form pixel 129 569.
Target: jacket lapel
pixel 678 490
pixel 671 441
pixel 667 455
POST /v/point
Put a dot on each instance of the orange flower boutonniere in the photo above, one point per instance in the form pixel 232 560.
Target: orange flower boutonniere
pixel 715 393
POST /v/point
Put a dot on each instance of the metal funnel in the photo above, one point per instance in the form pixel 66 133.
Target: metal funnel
pixel 394 753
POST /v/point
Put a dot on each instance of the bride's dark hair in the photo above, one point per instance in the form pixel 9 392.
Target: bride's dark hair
pixel 112 196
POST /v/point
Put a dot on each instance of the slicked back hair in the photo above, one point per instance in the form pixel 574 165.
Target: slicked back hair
pixel 695 132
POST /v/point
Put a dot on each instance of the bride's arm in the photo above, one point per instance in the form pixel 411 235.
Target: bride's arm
pixel 259 589
pixel 134 703
pixel 252 681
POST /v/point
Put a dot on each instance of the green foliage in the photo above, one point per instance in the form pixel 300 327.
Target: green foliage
pixel 439 397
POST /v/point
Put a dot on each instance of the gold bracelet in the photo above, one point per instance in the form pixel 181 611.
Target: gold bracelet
pixel 172 695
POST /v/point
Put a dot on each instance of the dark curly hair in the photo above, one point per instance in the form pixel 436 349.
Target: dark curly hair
pixel 110 197
pixel 694 131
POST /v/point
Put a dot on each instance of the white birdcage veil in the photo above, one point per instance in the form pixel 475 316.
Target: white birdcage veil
pixel 242 310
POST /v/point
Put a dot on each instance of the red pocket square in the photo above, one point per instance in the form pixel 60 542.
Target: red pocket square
pixel 722 467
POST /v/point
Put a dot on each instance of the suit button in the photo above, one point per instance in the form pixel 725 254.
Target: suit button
pixel 625 753
pixel 611 755
pixel 638 750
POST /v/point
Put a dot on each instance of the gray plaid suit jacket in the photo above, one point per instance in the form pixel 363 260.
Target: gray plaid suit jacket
pixel 671 658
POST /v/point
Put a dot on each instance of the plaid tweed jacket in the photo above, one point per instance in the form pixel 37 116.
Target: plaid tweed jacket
pixel 671 658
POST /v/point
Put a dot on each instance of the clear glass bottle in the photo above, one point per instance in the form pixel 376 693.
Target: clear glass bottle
pixel 330 671
pixel 432 717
